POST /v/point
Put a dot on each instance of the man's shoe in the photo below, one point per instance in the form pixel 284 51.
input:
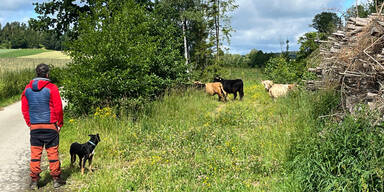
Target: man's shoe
pixel 58 183
pixel 33 185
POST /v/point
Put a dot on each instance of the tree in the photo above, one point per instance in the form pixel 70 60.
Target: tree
pixel 363 11
pixel 257 58
pixel 326 22
pixel 130 54
pixel 280 70
pixel 184 13
pixel 218 18
pixel 62 16
pixel 308 43
pixel 18 35
pixel 375 5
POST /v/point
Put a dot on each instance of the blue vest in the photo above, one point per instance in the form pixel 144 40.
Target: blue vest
pixel 38 102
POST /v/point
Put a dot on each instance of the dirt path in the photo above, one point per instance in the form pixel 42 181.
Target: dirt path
pixel 14 149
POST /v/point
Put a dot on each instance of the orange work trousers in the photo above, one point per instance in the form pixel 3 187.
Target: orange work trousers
pixel 44 135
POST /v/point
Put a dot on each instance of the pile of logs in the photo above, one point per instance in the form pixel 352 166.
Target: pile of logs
pixel 353 62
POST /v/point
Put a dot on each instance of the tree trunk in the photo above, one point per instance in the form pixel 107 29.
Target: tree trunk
pixel 185 43
pixel 217 26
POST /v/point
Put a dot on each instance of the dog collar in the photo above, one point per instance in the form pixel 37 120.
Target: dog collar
pixel 91 143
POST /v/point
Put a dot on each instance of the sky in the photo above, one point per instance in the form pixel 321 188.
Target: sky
pixel 259 24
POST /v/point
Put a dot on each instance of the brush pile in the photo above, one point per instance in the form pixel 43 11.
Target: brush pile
pixel 353 62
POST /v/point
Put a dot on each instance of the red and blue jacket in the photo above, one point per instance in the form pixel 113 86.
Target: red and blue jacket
pixel 41 103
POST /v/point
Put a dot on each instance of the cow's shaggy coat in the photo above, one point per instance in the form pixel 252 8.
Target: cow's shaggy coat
pixel 277 90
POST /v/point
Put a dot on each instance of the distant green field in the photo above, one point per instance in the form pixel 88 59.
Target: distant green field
pixel 3 51
pixel 17 69
pixel 12 53
pixel 19 59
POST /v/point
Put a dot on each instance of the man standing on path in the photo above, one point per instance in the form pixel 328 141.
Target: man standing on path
pixel 42 110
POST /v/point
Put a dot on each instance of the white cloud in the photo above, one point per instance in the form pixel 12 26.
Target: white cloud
pixel 264 24
pixel 17 10
pixel 260 24
pixel 19 16
pixel 11 5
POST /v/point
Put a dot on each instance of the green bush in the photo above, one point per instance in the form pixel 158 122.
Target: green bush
pixel 130 54
pixel 57 74
pixel 346 156
pixel 209 73
pixel 280 71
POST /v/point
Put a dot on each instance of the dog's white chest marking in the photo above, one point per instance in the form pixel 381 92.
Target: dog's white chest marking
pixel 92 153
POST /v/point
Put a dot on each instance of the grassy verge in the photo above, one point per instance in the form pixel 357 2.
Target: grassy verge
pixel 189 141
pixel 12 83
pixel 8 101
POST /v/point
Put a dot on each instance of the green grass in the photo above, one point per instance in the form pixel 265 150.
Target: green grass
pixel 8 101
pixel 5 51
pixel 189 141
pixel 17 64
pixel 12 83
pixel 15 73
pixel 12 53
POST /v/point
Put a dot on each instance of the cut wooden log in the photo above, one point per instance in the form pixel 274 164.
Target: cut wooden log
pixel 380 23
pixel 317 70
pixel 377 14
pixel 334 50
pixel 359 21
pixel 337 44
pixel 362 21
pixel 354 32
pixel 375 31
pixel 338 34
pixel 351 26
pixel 322 41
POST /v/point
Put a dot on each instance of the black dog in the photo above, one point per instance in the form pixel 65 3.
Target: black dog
pixel 84 151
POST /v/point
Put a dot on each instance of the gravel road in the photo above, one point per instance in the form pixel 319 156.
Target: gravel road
pixel 14 149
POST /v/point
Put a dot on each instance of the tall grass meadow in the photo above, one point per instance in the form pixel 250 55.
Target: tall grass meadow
pixel 188 141
pixel 12 83
pixel 15 73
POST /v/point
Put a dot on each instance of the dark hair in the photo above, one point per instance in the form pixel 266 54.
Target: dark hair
pixel 42 70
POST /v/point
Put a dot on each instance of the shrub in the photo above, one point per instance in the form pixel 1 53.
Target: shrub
pixel 129 54
pixel 280 71
pixel 346 156
pixel 12 83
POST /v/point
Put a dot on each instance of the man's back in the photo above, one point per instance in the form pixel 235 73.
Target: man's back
pixel 41 103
